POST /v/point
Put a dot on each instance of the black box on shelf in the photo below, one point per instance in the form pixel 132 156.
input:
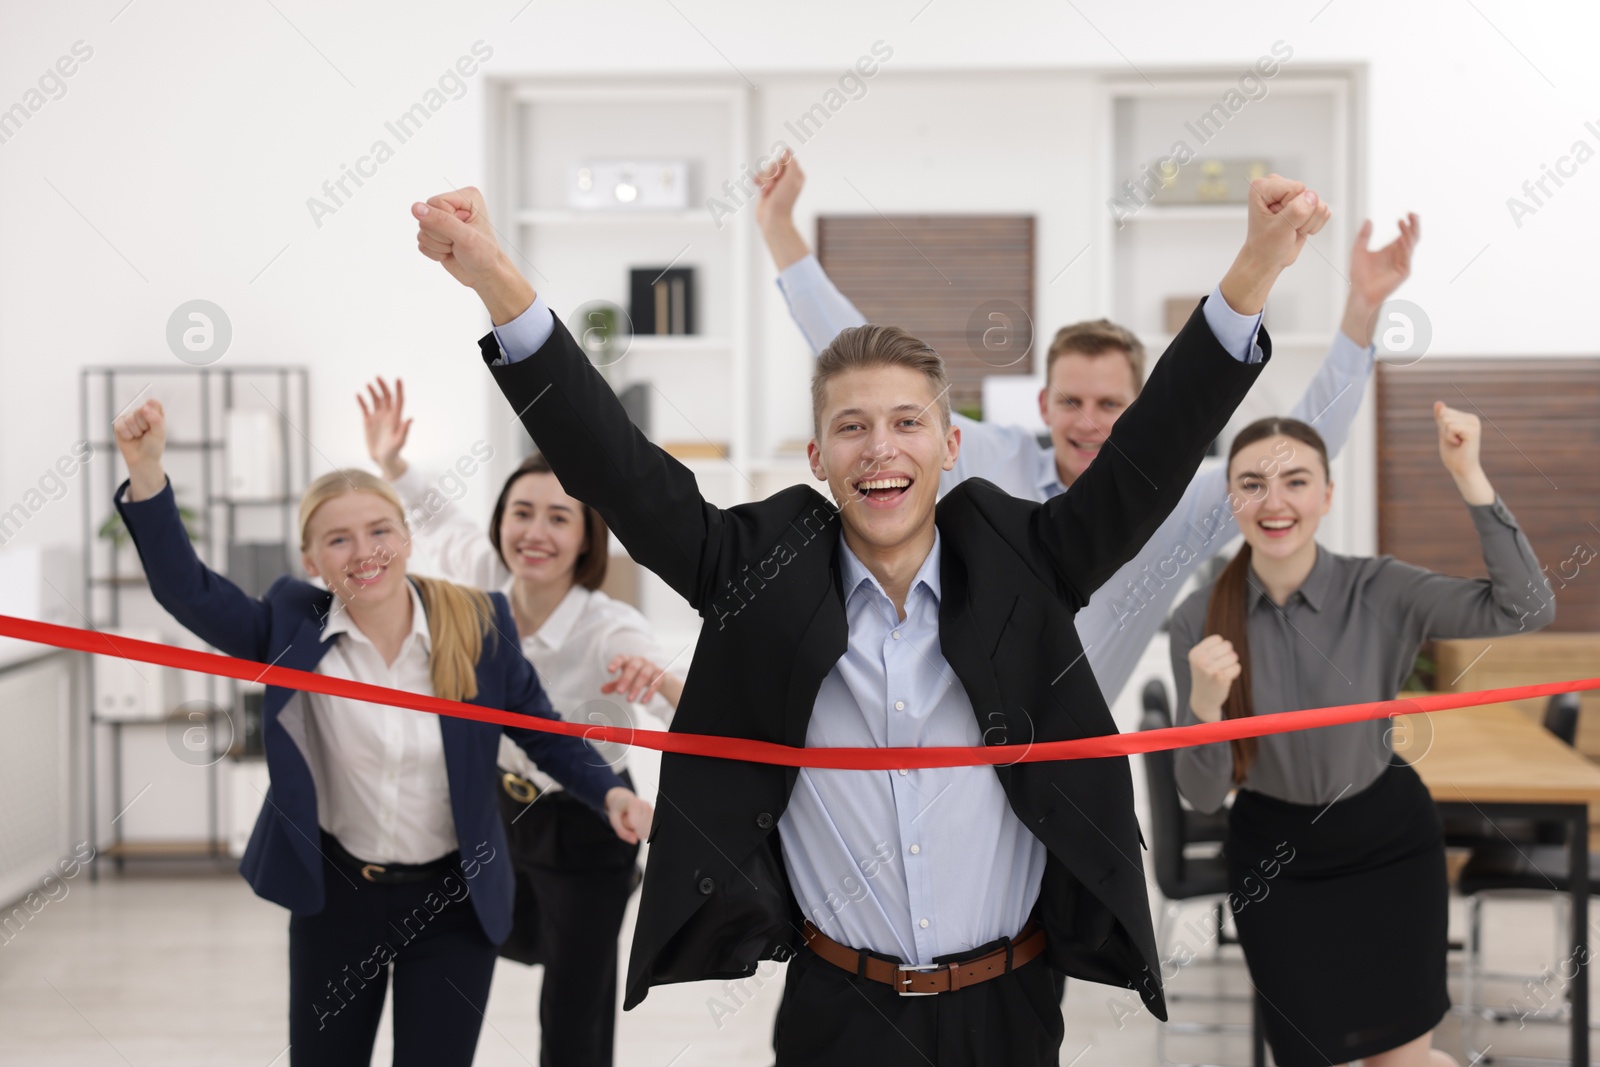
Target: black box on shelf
pixel 661 300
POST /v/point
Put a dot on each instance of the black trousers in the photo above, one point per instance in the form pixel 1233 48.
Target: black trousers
pixel 574 877
pixel 830 1016
pixel 340 959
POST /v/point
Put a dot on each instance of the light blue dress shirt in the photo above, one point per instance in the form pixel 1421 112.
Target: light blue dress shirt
pixel 1127 612
pixel 912 864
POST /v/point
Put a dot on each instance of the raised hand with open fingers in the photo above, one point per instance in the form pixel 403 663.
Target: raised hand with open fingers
pixel 385 425
pixel 1376 273
pixel 1374 276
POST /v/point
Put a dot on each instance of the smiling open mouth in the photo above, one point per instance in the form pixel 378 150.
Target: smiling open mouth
pixel 883 490
pixel 366 574
pixel 1276 527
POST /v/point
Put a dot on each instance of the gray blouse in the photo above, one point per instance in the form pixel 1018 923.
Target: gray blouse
pixel 1349 635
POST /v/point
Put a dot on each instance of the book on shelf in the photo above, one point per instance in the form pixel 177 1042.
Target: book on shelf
pixel 661 301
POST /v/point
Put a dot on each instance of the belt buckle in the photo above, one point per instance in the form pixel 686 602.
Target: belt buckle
pixel 906 982
pixel 519 788
pixel 369 869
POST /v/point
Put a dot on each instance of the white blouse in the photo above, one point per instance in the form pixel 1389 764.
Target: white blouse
pixel 383 790
pixel 569 651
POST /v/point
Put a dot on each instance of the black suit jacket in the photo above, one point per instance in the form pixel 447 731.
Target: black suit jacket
pixel 765 578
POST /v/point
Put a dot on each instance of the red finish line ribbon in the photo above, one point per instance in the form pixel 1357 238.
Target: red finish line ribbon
pixel 865 759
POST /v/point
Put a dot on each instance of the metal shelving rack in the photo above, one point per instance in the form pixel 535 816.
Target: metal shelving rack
pixel 103 584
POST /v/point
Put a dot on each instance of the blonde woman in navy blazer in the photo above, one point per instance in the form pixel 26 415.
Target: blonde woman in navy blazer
pixel 380 823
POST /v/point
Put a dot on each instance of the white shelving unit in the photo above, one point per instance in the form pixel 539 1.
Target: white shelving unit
pixel 1301 128
pixel 1305 127
pixel 544 127
pixel 699 385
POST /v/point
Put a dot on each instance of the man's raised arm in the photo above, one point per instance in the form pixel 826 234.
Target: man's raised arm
pixel 997 451
pixel 650 499
pixel 1126 613
pixel 1334 396
pixel 1155 448
pixel 815 303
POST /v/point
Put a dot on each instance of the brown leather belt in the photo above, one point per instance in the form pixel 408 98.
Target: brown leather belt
pixel 915 980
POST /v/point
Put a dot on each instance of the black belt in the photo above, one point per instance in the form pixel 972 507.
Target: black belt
pixel 389 873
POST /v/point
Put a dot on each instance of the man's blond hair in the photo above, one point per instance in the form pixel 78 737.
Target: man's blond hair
pixel 863 347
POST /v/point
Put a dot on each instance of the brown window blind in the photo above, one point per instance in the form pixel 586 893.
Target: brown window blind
pixel 945 279
pixel 1541 438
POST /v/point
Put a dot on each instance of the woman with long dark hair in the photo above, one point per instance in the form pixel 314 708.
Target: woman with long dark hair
pixel 1335 852
pixel 598 658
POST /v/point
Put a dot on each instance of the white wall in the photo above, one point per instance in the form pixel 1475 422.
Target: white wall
pixel 193 137
pixel 925 142
pixel 179 161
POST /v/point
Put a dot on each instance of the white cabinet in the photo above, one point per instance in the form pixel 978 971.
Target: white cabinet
pixel 35 711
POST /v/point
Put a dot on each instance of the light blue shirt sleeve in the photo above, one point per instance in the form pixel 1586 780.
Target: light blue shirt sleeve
pixel 1126 613
pixel 1235 332
pixel 1334 396
pixel 525 334
pixel 816 304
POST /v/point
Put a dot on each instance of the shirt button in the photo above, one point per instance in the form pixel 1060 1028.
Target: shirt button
pixel 899 705
pixel 904 772
pixel 923 923
pixel 915 849
pixel 895 635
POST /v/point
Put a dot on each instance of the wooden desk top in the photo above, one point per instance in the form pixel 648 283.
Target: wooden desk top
pixel 1493 754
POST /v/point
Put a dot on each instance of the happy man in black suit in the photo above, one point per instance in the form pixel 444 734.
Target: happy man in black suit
pixel 886 621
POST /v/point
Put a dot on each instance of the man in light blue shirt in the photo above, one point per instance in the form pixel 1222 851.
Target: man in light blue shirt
pixel 1095 370
pixel 972 873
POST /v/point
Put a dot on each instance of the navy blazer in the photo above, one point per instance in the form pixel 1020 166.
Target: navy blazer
pixel 283 862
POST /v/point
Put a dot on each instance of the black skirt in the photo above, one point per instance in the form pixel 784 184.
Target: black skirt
pixel 1343 915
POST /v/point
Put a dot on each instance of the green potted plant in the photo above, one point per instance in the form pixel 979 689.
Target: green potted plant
pixel 126 560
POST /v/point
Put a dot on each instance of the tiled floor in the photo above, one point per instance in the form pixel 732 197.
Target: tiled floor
pixel 155 968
